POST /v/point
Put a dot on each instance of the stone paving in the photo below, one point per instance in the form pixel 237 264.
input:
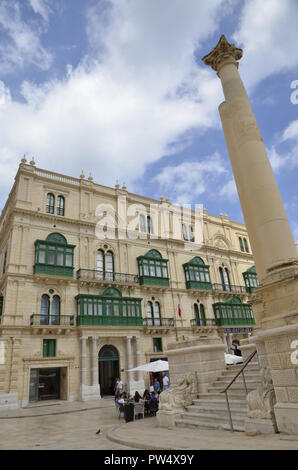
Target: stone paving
pixel 72 426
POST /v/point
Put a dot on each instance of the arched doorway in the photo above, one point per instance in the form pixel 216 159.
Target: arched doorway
pixel 108 365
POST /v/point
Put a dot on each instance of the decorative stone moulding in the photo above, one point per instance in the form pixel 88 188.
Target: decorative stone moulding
pixel 221 52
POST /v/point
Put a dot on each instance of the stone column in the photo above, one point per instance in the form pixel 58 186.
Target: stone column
pixel 128 362
pixel 265 217
pixel 94 361
pixel 272 243
pixel 138 374
pixel 83 366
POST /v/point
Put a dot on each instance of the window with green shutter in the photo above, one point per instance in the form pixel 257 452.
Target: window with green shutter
pixel 153 269
pixel 233 312
pixel 54 256
pixel 197 274
pixel 251 279
pixel 49 348
pixel 109 308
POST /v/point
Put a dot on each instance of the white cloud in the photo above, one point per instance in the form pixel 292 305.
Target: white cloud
pixel 228 190
pixel 22 45
pixel 285 159
pixel 291 131
pixel 268 33
pixel 189 180
pixel 42 8
pixel 126 107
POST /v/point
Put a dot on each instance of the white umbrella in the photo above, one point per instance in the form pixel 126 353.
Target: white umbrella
pixel 155 366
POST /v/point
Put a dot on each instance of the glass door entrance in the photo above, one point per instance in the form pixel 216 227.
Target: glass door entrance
pixel 44 384
pixel 49 384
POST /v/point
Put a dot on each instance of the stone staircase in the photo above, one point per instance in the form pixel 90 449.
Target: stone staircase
pixel 209 410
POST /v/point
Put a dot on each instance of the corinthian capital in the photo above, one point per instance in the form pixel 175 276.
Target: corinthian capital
pixel 221 52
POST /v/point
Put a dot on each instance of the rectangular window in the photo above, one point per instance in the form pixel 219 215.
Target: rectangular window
pixel 4 262
pixel 157 344
pixel 164 271
pixel 49 348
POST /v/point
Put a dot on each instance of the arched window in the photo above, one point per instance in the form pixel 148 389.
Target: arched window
pixel 150 313
pixel 55 310
pixel 142 223
pixel 50 310
pixel 100 264
pixel 246 245
pixel 184 232
pixel 241 243
pixel 109 266
pixel 149 224
pixel 225 279
pixel 60 205
pixel 200 314
pixel 191 234
pixel 44 309
pixel 156 314
pixel 50 208
pixel 105 265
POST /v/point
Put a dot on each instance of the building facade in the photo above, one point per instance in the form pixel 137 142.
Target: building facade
pixel 82 300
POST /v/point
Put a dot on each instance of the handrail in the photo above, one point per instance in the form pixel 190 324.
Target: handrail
pixel 232 381
pixel 241 370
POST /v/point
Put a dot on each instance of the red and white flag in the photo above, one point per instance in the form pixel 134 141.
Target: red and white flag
pixel 179 310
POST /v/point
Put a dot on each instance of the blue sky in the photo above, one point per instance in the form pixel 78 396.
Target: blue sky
pixel 117 88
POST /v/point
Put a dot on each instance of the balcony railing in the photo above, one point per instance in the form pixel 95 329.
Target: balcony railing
pixel 205 322
pixel 94 275
pixel 59 320
pixel 230 288
pixel 153 322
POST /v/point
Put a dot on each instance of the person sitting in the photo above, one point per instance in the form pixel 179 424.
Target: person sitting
pixel 137 398
pixel 121 400
pixel 146 398
pixel 153 404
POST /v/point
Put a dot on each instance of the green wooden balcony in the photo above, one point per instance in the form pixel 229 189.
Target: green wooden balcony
pixel 104 320
pixel 233 312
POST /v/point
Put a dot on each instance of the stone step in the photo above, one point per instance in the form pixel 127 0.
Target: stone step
pixel 248 378
pixel 218 402
pixel 251 365
pixel 187 423
pixel 214 419
pixel 247 373
pixel 250 384
pixel 218 410
pixel 232 394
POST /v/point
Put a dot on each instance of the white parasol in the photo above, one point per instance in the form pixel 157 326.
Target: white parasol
pixel 155 366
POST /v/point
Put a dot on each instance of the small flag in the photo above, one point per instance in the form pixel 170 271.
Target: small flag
pixel 179 310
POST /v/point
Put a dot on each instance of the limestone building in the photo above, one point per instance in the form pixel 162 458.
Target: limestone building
pixel 82 302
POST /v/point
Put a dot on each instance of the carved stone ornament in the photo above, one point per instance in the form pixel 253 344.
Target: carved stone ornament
pixel 179 397
pixel 260 402
pixel 222 51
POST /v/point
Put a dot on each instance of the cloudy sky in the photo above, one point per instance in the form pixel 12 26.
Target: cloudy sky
pixel 118 88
